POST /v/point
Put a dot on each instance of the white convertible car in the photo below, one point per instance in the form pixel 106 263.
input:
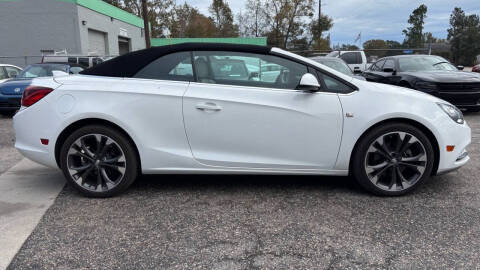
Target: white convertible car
pixel 202 108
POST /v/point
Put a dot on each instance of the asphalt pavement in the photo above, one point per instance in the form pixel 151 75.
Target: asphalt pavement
pixel 8 155
pixel 263 222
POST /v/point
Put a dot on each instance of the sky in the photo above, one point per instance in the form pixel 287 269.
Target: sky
pixel 375 19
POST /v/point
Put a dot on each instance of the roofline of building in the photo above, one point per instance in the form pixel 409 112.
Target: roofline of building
pixel 105 9
pixel 109 10
pixel 261 41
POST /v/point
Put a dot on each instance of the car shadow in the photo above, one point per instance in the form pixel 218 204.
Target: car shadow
pixel 226 183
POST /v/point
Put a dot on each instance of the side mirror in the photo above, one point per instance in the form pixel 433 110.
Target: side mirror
pixel 357 70
pixel 388 70
pixel 309 83
pixel 460 67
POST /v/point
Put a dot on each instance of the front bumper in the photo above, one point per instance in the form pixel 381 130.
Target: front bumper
pixel 458 136
pixel 463 100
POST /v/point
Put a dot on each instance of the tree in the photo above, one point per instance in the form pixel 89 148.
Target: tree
pixel 316 29
pixel 376 47
pixel 286 19
pixel 392 44
pixel 159 12
pixel 117 3
pixel 375 44
pixel 253 22
pixel 187 21
pixel 463 35
pixel 346 47
pixel 222 15
pixel 414 34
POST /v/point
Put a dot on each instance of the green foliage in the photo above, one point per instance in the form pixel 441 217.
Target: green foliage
pixel 159 12
pixel 464 37
pixel 375 44
pixel 222 15
pixel 346 47
pixel 414 34
pixel 287 20
pixel 187 22
pixel 253 21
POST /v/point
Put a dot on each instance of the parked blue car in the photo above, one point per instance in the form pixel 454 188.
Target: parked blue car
pixel 11 91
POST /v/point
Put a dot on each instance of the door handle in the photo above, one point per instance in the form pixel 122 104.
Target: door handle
pixel 208 106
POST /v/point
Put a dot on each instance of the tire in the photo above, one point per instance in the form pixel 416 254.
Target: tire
pixel 397 172
pixel 97 171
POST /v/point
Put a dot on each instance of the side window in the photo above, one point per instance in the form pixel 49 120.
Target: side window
pixel 334 85
pixel 389 64
pixel 352 57
pixel 247 69
pixel 173 67
pixel 3 75
pixel 84 62
pixel 96 61
pixel 72 60
pixel 378 65
pixel 11 72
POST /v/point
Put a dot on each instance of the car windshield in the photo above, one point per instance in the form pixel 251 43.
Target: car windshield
pixel 424 63
pixel 35 71
pixel 337 65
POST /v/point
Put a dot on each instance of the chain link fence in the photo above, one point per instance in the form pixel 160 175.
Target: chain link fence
pixel 85 60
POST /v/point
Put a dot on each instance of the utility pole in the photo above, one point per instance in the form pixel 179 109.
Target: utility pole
pixel 320 17
pixel 145 23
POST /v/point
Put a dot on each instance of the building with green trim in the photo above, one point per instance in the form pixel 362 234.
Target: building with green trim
pixel 31 28
pixel 82 27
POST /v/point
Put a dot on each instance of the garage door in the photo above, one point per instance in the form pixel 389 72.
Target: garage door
pixel 96 42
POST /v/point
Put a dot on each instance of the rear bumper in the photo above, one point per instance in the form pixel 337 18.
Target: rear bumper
pixel 10 102
pixel 31 125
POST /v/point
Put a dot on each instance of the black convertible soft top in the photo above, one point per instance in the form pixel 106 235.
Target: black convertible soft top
pixel 129 64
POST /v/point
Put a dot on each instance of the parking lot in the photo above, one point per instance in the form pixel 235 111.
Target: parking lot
pixel 259 222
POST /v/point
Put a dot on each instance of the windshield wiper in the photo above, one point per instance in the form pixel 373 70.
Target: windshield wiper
pixel 443 62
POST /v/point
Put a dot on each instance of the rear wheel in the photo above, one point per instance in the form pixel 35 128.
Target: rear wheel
pixel 393 159
pixel 98 161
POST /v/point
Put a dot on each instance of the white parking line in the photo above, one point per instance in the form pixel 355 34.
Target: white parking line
pixel 26 191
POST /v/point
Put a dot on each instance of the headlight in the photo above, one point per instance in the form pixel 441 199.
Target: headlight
pixel 425 86
pixel 453 112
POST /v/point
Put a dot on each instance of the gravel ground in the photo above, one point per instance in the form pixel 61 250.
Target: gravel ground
pixel 9 156
pixel 258 222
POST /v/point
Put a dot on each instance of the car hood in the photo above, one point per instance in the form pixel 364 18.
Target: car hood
pixel 393 90
pixel 445 76
pixel 14 86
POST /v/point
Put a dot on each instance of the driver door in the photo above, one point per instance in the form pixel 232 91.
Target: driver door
pixel 244 112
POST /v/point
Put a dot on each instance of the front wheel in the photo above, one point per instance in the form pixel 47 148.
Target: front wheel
pixel 98 161
pixel 393 159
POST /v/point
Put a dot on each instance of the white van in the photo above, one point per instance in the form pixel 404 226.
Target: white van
pixel 85 61
pixel 356 60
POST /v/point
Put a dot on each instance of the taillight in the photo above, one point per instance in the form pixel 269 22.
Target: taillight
pixel 32 94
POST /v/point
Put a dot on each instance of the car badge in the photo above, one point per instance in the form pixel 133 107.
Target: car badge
pixel 17 90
